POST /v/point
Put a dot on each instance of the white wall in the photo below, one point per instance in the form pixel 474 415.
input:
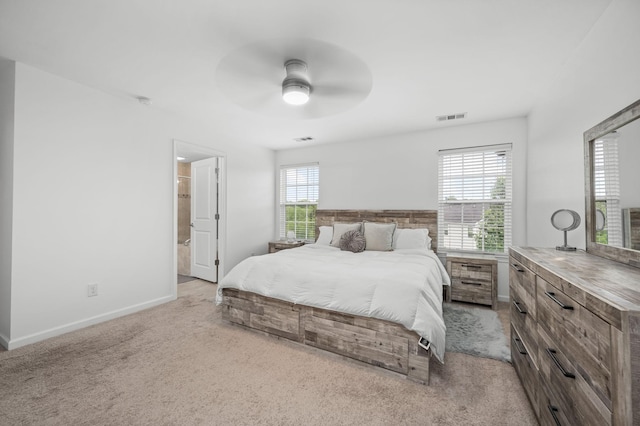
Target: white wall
pixel 251 212
pixel 7 91
pixel 601 78
pixel 401 172
pixel 93 203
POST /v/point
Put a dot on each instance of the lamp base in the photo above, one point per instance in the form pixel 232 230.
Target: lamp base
pixel 565 248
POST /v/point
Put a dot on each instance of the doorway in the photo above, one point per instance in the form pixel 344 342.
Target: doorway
pixel 184 220
pixel 199 213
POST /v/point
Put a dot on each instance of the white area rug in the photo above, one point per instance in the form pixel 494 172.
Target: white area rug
pixel 475 331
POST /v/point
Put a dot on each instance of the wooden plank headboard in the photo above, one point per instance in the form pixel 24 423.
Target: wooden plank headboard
pixel 404 218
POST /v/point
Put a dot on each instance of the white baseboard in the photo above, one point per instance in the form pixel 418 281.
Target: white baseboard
pixel 57 331
pixel 502 298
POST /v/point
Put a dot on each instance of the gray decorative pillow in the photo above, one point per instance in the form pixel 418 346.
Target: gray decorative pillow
pixel 352 241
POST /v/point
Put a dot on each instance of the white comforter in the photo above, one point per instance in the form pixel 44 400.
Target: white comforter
pixel 402 286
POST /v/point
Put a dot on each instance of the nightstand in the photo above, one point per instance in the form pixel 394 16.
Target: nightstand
pixel 275 246
pixel 474 279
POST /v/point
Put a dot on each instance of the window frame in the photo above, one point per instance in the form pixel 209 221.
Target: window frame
pixel 281 215
pixel 484 184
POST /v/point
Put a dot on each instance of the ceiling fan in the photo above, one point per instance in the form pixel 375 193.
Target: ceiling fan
pixel 321 78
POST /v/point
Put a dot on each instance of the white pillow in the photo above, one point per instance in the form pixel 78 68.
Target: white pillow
pixel 411 238
pixel 378 236
pixel 326 232
pixel 341 228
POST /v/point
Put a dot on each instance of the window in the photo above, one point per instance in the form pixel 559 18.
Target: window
pixel 299 187
pixel 474 199
pixel 606 178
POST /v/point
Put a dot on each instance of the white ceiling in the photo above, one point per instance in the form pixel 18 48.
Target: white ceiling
pixel 488 58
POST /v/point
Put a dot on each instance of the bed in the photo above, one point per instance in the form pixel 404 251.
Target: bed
pixel 371 306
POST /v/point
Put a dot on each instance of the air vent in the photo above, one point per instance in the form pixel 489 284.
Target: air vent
pixel 304 139
pixel 451 116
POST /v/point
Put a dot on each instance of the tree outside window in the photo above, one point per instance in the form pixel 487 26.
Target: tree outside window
pixel 489 234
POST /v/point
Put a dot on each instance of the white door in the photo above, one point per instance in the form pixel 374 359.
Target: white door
pixel 204 217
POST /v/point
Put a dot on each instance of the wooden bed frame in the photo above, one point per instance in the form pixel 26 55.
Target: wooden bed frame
pixel 373 341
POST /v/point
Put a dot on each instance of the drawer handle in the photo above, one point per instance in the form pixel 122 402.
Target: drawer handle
pixel 517 267
pixel 553 411
pixel 552 296
pixel 552 354
pixel 517 342
pixel 469 283
pixel 466 265
pixel 517 305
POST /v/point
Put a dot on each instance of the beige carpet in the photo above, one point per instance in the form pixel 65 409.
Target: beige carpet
pixel 178 364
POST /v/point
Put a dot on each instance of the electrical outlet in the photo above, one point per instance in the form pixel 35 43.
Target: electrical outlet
pixel 92 290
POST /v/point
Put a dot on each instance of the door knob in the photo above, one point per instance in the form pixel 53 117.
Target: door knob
pixel 191 224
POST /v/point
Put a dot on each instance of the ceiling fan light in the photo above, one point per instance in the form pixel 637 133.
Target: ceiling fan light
pixel 295 93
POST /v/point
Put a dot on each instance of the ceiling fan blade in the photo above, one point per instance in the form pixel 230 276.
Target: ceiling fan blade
pixel 348 92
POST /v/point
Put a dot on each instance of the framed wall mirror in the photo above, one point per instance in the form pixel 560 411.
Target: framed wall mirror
pixel 612 187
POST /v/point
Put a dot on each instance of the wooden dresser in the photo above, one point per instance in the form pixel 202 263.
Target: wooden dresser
pixel 575 330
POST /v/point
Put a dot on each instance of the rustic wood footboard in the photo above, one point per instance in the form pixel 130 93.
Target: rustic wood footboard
pixel 373 341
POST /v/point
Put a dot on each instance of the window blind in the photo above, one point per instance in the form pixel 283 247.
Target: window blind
pixel 606 179
pixel 299 191
pixel 475 199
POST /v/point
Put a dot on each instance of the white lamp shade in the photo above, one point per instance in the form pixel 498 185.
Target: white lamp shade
pixel 295 94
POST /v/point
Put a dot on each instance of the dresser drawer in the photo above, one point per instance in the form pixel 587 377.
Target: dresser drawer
pixel 550 413
pixel 582 336
pixel 523 283
pixel 470 290
pixel 525 367
pixel 523 321
pixel 471 271
pixel 564 391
